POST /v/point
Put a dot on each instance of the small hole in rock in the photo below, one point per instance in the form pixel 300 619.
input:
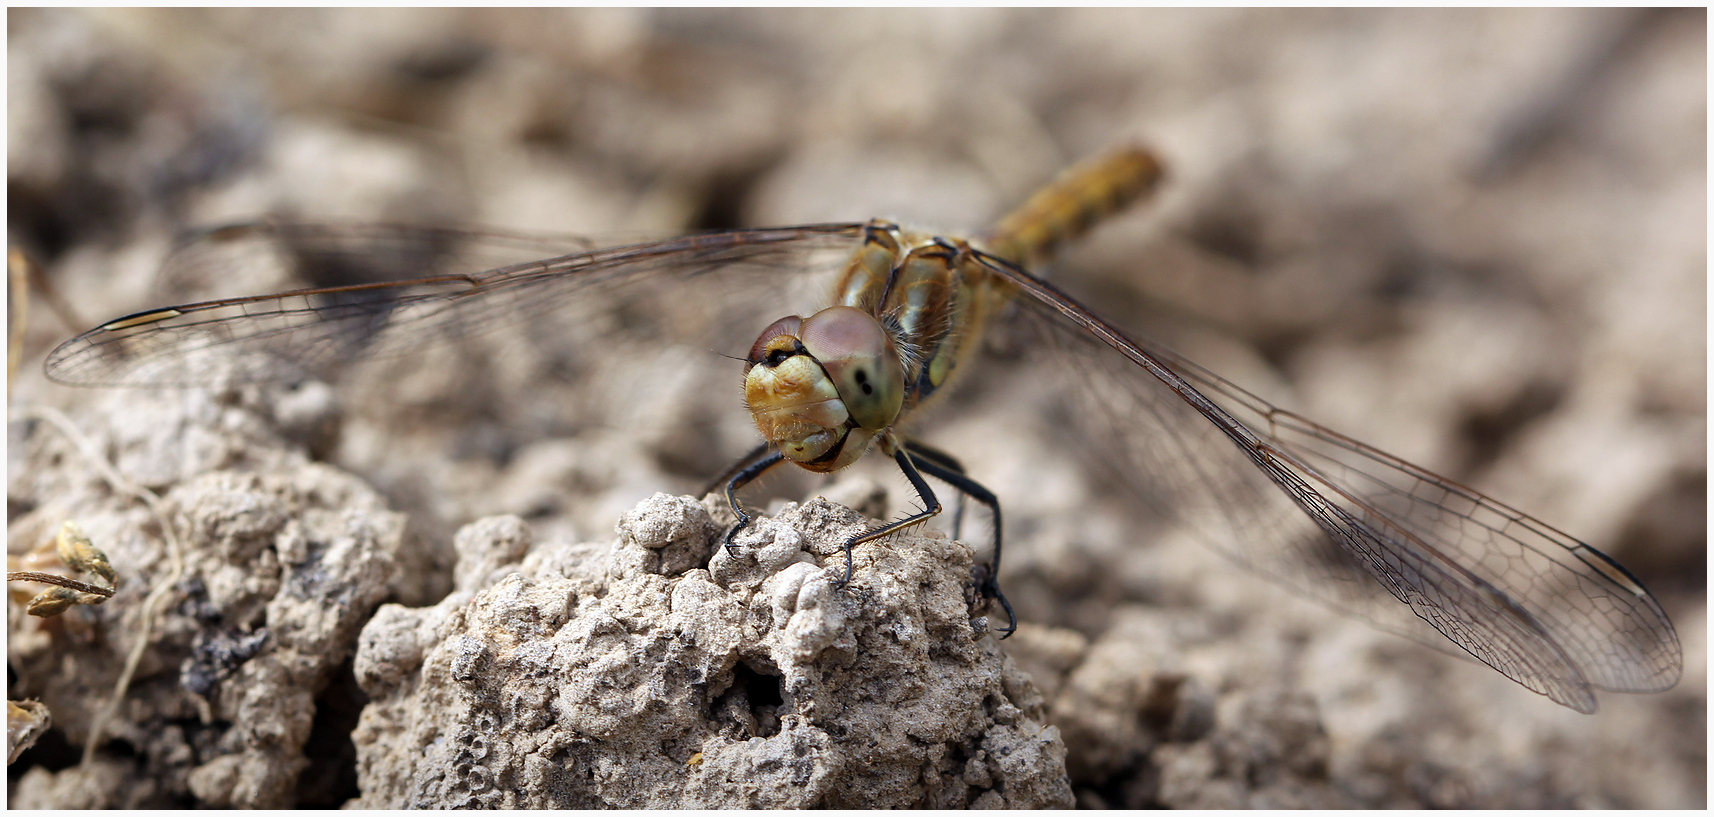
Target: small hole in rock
pixel 754 700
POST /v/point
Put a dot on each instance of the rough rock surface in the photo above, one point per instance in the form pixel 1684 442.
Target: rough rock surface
pixel 283 562
pixel 630 676
pixel 1473 238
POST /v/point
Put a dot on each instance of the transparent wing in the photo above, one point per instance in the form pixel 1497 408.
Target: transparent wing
pixel 387 290
pixel 273 254
pixel 1359 529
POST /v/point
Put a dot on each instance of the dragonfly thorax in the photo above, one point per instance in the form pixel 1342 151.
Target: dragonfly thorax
pixel 823 388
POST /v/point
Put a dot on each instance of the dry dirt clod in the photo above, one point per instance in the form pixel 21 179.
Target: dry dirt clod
pixel 625 679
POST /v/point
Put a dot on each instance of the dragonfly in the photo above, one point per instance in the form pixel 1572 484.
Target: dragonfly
pixel 894 319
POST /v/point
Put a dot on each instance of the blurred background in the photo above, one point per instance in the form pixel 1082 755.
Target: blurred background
pixel 1476 239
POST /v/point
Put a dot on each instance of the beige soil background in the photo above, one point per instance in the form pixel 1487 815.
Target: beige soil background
pixel 1476 239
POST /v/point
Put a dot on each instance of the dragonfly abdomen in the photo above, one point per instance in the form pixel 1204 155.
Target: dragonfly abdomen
pixel 1072 203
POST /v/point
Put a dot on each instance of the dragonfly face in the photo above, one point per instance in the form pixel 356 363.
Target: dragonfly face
pixel 822 388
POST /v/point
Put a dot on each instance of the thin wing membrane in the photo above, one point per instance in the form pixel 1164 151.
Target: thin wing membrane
pixel 319 330
pixel 1351 526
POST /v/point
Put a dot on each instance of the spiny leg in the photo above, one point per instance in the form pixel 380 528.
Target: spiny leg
pixel 743 472
pixel 944 467
pixel 920 452
pixel 930 507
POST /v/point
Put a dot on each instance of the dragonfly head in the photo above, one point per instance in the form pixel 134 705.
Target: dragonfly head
pixel 823 387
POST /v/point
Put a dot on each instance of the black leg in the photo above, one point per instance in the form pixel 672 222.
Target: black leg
pixel 923 451
pixel 745 471
pixel 930 507
pixel 750 457
pixel 946 469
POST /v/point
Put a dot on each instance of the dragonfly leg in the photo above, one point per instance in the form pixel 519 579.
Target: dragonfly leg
pixel 750 457
pixel 930 507
pixel 745 471
pixel 944 467
pixel 922 453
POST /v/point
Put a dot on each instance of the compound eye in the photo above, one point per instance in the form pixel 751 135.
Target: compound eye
pixel 861 359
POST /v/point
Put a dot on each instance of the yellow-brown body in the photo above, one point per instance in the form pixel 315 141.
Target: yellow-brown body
pixel 932 299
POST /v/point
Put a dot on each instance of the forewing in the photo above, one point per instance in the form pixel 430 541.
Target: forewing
pixel 1356 528
pixel 363 311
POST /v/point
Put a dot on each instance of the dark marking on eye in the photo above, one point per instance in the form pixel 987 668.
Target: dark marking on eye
pixel 863 380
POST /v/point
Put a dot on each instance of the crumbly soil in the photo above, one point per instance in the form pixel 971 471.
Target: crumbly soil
pixel 1476 239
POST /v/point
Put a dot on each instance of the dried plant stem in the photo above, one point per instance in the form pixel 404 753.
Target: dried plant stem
pixel 62 581
pixel 162 588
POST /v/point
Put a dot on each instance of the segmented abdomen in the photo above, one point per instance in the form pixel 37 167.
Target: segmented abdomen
pixel 1072 203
